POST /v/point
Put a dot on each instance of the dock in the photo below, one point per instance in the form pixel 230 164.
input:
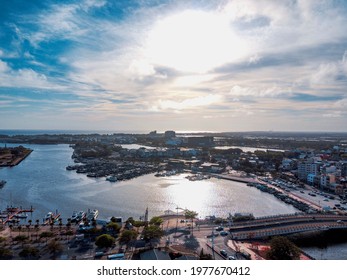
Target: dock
pixel 14 211
pixel 234 178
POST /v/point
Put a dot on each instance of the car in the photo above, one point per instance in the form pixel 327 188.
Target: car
pixel 231 258
pixel 339 222
pixel 326 199
pixel 223 233
pixel 220 228
pixel 223 253
pixel 302 191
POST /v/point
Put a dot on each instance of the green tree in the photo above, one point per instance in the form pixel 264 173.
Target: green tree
pixel 105 241
pixel 21 239
pixel 191 215
pixel 127 236
pixel 29 252
pixel 204 256
pixel 54 247
pixel 152 232
pixel 282 249
pixel 5 254
pixel 46 234
pixel 113 227
pixel 156 221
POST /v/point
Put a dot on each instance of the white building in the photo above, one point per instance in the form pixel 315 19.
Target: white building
pixel 307 167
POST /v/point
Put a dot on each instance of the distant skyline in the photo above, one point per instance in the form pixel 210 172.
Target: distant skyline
pixel 238 65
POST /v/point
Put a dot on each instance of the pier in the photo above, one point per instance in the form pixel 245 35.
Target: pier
pixel 14 211
pixel 234 178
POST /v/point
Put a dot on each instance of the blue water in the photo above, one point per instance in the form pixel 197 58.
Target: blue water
pixel 12 132
pixel 42 181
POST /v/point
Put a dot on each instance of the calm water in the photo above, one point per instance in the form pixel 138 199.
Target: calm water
pixel 246 149
pixel 41 180
pixel 332 252
pixel 36 131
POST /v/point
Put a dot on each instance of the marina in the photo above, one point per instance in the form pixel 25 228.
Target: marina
pixel 11 214
pixel 53 187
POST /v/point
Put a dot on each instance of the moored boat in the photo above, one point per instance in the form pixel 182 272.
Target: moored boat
pixel 49 216
pixel 111 179
pixel 74 216
pixel 3 215
pixel 21 216
pixel 80 216
pixel 92 214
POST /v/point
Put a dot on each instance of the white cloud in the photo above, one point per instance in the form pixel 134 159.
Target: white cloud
pixel 325 74
pixel 3 67
pixel 344 63
pixel 328 73
pixel 341 103
pixel 63 21
pixel 190 103
pixel 254 59
pixel 26 78
pixel 193 41
pixel 126 57
pixel 337 114
pixel 271 91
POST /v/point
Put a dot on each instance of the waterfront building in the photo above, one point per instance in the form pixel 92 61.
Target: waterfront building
pixel 326 180
pixel 311 179
pixel 307 167
pixel 169 134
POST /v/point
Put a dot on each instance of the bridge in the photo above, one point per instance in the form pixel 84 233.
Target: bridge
pixel 286 224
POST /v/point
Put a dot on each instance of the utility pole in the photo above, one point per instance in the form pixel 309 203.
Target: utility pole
pixel 213 255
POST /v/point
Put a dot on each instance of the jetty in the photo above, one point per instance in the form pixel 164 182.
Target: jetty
pixel 12 212
pixel 234 178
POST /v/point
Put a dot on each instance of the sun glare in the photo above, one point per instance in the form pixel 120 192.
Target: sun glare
pixel 193 41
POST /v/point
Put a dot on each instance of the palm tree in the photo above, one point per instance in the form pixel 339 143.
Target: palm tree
pixel 37 230
pixel 191 215
pixel 60 225
pixel 28 229
pixel 68 222
pixel 29 225
pixel 10 227
pixel 19 228
pixel 51 223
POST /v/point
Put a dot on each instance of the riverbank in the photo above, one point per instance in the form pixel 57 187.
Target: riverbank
pixel 13 156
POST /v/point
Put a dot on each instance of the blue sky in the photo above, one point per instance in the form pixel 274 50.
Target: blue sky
pixel 233 65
